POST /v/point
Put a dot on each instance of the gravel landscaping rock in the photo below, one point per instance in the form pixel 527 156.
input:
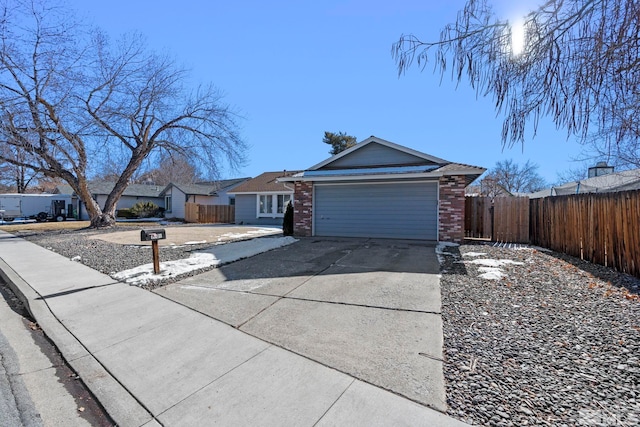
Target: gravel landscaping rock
pixel 109 257
pixel 555 341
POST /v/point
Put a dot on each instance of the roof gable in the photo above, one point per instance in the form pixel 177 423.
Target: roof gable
pixel 376 152
pixel 264 183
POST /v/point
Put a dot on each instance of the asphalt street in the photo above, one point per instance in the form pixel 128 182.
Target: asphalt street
pixel 36 387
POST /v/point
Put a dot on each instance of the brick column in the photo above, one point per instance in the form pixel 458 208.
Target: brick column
pixel 451 209
pixel 302 209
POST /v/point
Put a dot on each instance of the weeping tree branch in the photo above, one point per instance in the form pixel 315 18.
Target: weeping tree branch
pixel 579 66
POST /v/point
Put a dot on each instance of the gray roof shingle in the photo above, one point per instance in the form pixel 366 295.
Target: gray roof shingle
pixel 617 181
pixel 105 187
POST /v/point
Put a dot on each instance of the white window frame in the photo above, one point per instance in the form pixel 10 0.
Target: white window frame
pixel 167 203
pixel 274 204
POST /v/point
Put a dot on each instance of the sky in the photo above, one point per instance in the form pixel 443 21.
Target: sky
pixel 295 69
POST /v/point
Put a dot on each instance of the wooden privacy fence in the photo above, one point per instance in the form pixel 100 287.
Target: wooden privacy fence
pixel 209 213
pixel 504 220
pixel 477 217
pixel 602 228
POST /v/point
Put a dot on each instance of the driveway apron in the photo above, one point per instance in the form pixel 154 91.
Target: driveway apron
pixel 369 308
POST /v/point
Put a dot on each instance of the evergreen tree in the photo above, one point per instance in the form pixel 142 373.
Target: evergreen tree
pixel 287 222
pixel 339 141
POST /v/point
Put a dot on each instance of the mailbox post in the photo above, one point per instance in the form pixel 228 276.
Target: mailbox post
pixel 153 236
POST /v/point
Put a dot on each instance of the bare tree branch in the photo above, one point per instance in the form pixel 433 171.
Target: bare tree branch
pixel 70 98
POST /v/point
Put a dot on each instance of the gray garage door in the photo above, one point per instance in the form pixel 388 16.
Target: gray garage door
pixel 392 210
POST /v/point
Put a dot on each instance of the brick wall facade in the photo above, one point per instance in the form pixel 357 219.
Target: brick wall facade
pixel 303 209
pixel 451 209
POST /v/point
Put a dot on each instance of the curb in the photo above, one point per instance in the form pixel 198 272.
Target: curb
pixel 118 402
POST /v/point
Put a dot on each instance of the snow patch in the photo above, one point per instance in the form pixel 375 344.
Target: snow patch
pixel 212 257
pixel 491 273
pixel 487 262
pixel 249 234
pixel 18 221
pixel 195 242
pixel 474 254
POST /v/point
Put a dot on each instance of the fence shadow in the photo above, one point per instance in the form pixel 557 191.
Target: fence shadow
pixel 615 278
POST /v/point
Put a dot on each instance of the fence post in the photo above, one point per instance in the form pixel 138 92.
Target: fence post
pixel 491 212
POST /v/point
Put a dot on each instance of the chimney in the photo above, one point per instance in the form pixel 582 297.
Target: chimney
pixel 600 169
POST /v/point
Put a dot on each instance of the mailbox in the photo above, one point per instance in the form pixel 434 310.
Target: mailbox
pixel 152 235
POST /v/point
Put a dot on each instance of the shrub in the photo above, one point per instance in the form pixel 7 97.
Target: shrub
pixel 287 222
pixel 125 213
pixel 145 209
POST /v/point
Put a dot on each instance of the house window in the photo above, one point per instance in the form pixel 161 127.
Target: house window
pixel 272 205
pixel 167 203
pixel 232 201
pixel 266 204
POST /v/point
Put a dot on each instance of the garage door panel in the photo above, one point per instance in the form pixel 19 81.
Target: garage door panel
pixel 406 211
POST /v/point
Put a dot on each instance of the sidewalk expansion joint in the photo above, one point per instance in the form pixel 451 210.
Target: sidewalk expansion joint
pixel 216 379
pixel 335 401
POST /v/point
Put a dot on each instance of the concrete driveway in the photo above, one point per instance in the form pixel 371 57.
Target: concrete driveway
pixel 366 307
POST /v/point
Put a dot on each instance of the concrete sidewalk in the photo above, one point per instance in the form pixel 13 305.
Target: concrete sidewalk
pixel 151 361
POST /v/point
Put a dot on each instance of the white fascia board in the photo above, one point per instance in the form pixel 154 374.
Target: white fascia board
pixel 387 176
pixel 292 178
pixel 263 192
pixel 464 172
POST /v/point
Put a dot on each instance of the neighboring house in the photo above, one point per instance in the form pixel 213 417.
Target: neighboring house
pixel 611 182
pixel 381 189
pixel 100 190
pixel 209 193
pixel 263 200
pixel 484 190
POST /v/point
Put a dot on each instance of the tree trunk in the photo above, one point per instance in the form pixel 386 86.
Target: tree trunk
pixel 103 220
pixel 98 218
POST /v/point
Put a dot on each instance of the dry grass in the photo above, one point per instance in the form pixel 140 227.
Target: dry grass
pixel 64 225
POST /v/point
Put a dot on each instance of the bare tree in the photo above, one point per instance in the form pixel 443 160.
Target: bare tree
pixel 513 177
pixel 172 168
pixel 571 175
pixel 491 188
pixel 624 155
pixel 16 177
pixel 69 97
pixel 579 65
